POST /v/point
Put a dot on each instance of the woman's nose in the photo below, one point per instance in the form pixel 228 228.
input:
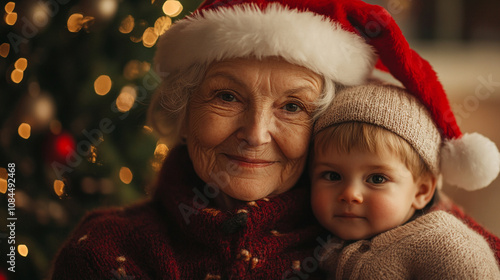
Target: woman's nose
pixel 351 194
pixel 255 127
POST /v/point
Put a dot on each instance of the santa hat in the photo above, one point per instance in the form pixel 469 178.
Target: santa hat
pixel 326 36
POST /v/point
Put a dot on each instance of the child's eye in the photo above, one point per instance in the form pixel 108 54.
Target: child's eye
pixel 331 176
pixel 376 179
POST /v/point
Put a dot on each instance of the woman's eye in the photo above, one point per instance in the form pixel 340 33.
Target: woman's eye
pixel 331 176
pixel 292 107
pixel 227 96
pixel 376 179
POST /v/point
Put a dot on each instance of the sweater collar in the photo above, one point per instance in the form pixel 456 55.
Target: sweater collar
pixel 187 201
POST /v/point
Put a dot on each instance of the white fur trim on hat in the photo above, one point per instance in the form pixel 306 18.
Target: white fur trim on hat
pixel 300 37
pixel 471 162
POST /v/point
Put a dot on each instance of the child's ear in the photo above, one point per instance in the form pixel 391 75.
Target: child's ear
pixel 426 188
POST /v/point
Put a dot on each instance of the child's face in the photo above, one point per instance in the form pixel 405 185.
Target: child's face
pixel 357 195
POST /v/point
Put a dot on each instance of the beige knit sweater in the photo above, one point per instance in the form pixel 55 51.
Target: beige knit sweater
pixel 434 246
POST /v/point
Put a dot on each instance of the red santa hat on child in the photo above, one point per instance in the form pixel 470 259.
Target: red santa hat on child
pixel 338 39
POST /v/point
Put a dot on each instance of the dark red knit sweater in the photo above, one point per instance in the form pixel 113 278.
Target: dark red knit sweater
pixel 178 235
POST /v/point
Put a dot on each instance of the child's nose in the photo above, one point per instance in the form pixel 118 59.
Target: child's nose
pixel 351 194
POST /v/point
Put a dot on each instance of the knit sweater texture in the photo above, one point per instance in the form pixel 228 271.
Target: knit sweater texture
pixel 434 246
pixel 178 234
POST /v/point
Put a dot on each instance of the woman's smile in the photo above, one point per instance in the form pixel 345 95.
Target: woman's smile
pixel 249 162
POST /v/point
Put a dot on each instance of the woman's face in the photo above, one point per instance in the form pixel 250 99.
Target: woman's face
pixel 248 126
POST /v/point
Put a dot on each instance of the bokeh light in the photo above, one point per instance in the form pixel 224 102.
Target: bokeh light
pixel 102 85
pixel 21 64
pixel 4 49
pixel 107 8
pixel 77 21
pixel 149 37
pixel 40 14
pixel 126 98
pixel 160 154
pixel 3 180
pixel 127 25
pixel 162 24
pixel 11 18
pixel 92 157
pixel 17 76
pixel 172 8
pixel 64 145
pixel 59 187
pixel 9 7
pixel 135 69
pixel 22 249
pixel 24 130
pixel 161 150
pixel 44 109
pixel 126 175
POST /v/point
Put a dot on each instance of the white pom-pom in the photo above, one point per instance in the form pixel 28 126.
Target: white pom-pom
pixel 471 162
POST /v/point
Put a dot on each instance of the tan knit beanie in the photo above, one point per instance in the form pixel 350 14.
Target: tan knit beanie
pixel 392 108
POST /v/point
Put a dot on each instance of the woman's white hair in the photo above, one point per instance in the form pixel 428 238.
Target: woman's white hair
pixel 168 108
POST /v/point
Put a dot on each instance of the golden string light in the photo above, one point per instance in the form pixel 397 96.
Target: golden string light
pixel 92 158
pixel 24 130
pixel 17 74
pixel 142 33
pixel 126 175
pixel 77 21
pixel 102 85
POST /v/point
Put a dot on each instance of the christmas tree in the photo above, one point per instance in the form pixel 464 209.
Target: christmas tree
pixel 77 80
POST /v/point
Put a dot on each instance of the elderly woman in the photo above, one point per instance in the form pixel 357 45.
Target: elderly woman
pixel 242 84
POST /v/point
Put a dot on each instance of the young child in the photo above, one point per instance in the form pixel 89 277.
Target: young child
pixel 375 168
